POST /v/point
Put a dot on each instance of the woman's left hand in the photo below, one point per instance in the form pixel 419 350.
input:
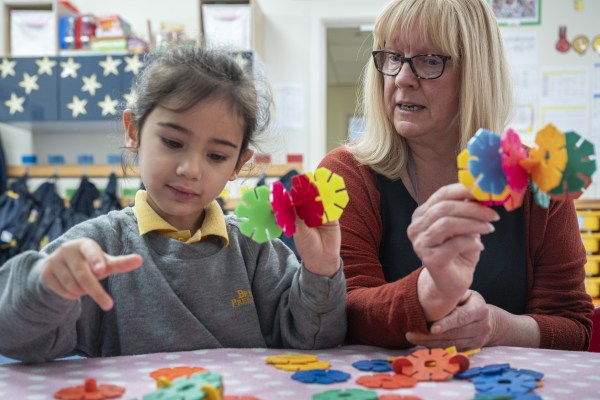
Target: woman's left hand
pixel 319 247
pixel 471 325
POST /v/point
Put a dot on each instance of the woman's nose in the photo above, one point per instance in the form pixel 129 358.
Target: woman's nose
pixel 405 76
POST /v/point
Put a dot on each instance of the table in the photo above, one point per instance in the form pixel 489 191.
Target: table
pixel 568 375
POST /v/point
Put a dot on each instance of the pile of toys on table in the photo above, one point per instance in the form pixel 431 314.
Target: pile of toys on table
pixel 498 381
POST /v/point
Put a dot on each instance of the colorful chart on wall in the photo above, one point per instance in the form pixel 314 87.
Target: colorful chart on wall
pixel 517 12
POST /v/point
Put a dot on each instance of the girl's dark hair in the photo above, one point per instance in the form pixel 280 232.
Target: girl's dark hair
pixel 186 75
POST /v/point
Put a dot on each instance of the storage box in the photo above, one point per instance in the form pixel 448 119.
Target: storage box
pixel 588 220
pixel 592 267
pixel 227 25
pixel 109 44
pixel 592 286
pixel 591 242
pixel 32 33
pixel 109 26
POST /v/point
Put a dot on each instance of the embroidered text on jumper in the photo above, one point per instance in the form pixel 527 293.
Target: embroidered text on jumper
pixel 243 297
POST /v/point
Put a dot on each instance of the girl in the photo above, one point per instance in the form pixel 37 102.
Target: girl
pixel 173 273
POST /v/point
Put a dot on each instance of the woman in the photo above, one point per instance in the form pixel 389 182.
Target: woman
pixel 426 265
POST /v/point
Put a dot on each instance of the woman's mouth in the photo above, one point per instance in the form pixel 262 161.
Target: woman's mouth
pixel 410 107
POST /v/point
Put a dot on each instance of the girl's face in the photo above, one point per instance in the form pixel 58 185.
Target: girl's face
pixel 417 107
pixel 186 158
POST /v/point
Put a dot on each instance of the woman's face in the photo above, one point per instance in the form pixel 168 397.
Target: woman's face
pixel 421 108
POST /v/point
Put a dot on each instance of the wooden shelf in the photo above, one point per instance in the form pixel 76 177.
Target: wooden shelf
pixel 67 171
pixel 104 170
pixel 587 204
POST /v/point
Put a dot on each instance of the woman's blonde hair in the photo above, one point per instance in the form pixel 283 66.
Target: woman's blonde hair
pixel 467 31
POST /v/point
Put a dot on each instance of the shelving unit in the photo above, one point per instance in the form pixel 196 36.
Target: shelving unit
pixel 588 213
pixel 104 170
pixel 56 7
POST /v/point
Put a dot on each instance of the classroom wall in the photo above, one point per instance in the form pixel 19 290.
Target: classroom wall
pixel 295 60
pixel 555 87
pixel 341 105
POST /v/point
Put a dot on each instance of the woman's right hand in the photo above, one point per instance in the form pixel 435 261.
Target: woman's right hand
pixel 446 235
pixel 76 268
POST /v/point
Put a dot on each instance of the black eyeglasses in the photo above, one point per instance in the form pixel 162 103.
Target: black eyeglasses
pixel 423 66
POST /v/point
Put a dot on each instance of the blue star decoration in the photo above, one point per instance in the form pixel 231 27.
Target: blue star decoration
pixel 323 376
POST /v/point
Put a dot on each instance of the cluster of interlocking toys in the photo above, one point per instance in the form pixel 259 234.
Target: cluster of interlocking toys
pixel 267 211
pixel 497 169
pixel 496 381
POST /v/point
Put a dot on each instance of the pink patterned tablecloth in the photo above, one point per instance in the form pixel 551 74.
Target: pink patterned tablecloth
pixel 568 375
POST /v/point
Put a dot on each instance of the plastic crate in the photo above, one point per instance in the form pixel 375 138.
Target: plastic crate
pixel 592 266
pixel 589 221
pixel 592 286
pixel 591 242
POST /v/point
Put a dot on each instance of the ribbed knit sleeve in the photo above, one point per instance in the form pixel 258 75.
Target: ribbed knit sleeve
pixel 556 256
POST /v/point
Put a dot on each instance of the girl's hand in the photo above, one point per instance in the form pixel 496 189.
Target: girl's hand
pixel 445 232
pixel 75 269
pixel 319 247
pixel 471 325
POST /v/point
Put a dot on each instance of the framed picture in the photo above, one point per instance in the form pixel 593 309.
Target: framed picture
pixel 517 12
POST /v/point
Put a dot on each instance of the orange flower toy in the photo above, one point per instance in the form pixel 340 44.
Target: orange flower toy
pixel 90 390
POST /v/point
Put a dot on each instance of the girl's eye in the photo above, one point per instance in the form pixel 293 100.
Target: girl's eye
pixel 217 157
pixel 172 144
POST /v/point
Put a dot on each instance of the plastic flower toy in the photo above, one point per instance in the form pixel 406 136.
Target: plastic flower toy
pixel 480 168
pixel 497 169
pixel 267 211
pixel 90 390
pixel 512 154
pixel 547 162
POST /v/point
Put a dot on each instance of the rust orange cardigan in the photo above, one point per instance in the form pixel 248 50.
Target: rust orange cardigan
pixel 381 312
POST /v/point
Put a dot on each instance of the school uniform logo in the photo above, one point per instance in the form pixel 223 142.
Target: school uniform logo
pixel 242 297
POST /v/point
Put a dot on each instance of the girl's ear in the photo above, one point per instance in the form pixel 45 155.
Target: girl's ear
pixel 244 157
pixel 131 132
